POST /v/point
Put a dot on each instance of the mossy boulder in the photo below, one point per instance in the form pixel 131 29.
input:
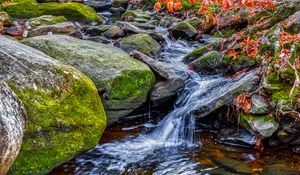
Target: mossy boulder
pixel 183 30
pixel 122 81
pixel 136 14
pixel 72 11
pixel 65 114
pixel 5 19
pixel 45 20
pixel 141 42
pixel 209 63
pixel 261 126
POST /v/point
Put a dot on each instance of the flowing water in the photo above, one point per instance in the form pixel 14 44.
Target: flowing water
pixel 167 147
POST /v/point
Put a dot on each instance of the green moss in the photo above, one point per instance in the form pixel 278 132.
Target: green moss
pixel 224 33
pixel 60 124
pixel 72 11
pixel 46 20
pixel 136 14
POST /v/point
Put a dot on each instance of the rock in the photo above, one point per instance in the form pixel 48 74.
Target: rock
pixel 135 14
pixel 120 3
pixel 292 24
pixel 144 26
pixel 97 30
pixel 166 91
pixel 232 137
pixel 284 136
pixel 14 30
pixel 99 5
pixel 183 30
pixel 12 125
pixel 279 169
pixel 61 1
pixel 117 10
pixel 72 11
pixel 160 70
pixel 67 28
pixel 64 112
pixel 194 21
pixel 229 91
pixel 5 19
pixel 122 81
pixel 234 165
pixel 259 105
pixel 200 51
pixel 168 21
pixel 45 20
pixel 141 42
pixel 209 63
pixel 263 126
pixel 220 171
pixel 113 32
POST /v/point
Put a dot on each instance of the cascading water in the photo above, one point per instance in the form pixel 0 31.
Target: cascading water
pixel 164 149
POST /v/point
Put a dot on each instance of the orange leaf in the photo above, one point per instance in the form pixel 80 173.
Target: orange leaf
pixel 157 6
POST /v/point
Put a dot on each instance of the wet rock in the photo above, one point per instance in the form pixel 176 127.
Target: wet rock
pixel 123 82
pixel 160 70
pixel 99 5
pixel 233 137
pixel 221 171
pixel 263 126
pixel 141 42
pixel 145 26
pixel 284 136
pixel 209 63
pixel 97 30
pixel 234 165
pixel 279 169
pixel 5 19
pixel 194 21
pixel 66 28
pixel 184 30
pixel 120 3
pixel 166 91
pixel 44 20
pixel 135 14
pixel 64 111
pixel 168 21
pixel 12 125
pixel 17 30
pixel 72 11
pixel 292 24
pixel 113 32
pixel 259 105
pixel 117 10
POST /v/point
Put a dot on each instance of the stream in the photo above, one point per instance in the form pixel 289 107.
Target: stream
pixel 173 145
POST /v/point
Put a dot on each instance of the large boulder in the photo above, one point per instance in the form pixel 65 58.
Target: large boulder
pixel 72 11
pixel 45 20
pixel 67 28
pixel 141 42
pixel 122 81
pixel 12 125
pixel 184 30
pixel 65 114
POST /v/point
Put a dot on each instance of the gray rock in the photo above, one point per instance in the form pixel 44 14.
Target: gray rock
pixel 261 126
pixel 120 3
pixel 259 105
pixel 12 125
pixel 141 42
pixel 44 20
pixel 113 32
pixel 165 91
pixel 184 30
pixel 122 81
pixel 66 28
pixel 99 5
pixel 97 30
pixel 233 137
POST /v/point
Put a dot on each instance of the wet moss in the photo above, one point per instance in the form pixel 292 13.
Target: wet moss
pixel 60 124
pixel 72 11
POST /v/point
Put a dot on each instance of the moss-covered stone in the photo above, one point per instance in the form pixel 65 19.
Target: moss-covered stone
pixel 65 114
pixel 141 42
pixel 5 19
pixel 122 81
pixel 135 14
pixel 120 3
pixel 262 126
pixel 72 11
pixel 209 63
pixel 45 20
pixel 184 30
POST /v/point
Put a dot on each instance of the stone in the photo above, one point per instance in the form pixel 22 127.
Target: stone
pixel 135 14
pixel 120 3
pixel 65 115
pixel 209 63
pixel 234 165
pixel 231 136
pixel 99 5
pixel 183 30
pixel 113 32
pixel 72 11
pixel 262 126
pixel 259 105
pixel 293 24
pixel 12 125
pixel 141 42
pixel 123 82
pixel 5 19
pixel 194 21
pixel 279 169
pixel 97 30
pixel 44 20
pixel 66 28
pixel 166 91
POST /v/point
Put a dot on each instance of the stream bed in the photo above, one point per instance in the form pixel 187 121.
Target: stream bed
pixel 173 144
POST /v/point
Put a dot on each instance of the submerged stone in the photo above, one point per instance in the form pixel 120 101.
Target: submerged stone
pixel 279 169
pixel 65 114
pixel 122 81
pixel 234 165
